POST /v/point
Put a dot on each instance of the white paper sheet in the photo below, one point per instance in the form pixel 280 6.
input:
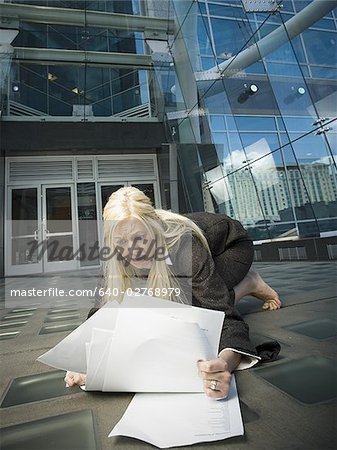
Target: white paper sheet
pixel 97 359
pixel 171 420
pixel 70 354
pixel 210 321
pixel 154 353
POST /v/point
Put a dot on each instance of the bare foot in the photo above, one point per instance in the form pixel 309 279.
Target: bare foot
pixel 262 291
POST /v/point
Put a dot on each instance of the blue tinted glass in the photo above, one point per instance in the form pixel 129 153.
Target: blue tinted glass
pixel 229 35
pixel 219 138
pixel 290 52
pixel 284 138
pixel 255 68
pixel 305 71
pixel 324 72
pixel 207 62
pixel 263 17
pixel 253 139
pixel 300 4
pixel 266 29
pixel 231 125
pixel 299 123
pixel 310 148
pixel 290 70
pixel 280 123
pixel 225 11
pixel 221 144
pixel 203 37
pixel 327 24
pixel 234 141
pixel 217 123
pixel 202 8
pixel 287 6
pixel 321 46
pixel 332 139
pixel 252 123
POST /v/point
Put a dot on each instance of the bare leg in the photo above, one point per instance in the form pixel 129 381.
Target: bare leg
pixel 254 285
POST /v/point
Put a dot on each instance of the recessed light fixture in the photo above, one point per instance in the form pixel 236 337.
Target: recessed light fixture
pixel 51 77
pixel 253 88
pixel 16 86
pixel 301 90
pixel 77 90
pixel 249 90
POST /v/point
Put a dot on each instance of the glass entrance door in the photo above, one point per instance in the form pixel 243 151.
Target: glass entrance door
pixel 41 230
pixel 23 242
pixel 58 228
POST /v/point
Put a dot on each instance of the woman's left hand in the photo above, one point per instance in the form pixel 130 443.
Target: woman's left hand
pixel 216 377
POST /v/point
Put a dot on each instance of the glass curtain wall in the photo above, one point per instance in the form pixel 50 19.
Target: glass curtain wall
pixel 82 90
pixel 263 141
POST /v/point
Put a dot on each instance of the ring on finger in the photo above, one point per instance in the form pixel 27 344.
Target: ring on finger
pixel 213 385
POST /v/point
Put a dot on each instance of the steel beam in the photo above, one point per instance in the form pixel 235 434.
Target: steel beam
pixel 74 57
pixel 292 28
pixel 79 17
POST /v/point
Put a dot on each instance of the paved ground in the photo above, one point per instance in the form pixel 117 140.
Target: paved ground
pixel 287 404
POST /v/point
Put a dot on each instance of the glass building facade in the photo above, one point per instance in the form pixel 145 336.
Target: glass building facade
pixel 264 127
pixel 246 99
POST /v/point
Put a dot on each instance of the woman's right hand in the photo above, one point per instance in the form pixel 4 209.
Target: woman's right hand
pixel 73 379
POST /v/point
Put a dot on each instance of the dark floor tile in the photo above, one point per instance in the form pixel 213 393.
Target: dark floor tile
pixel 34 388
pixel 65 305
pixel 309 380
pixel 16 316
pixel 48 329
pixel 61 317
pixel 13 324
pixel 8 335
pixel 72 431
pixel 62 310
pixel 23 310
pixel 318 329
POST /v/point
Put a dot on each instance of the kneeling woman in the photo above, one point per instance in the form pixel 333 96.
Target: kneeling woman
pixel 170 255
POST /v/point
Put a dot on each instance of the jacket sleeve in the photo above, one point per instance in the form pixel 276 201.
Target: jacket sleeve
pixel 210 291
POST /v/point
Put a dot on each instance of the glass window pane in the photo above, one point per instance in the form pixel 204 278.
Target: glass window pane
pixel 59 214
pixel 60 249
pixel 24 251
pixel 106 191
pixel 217 123
pixel 87 223
pixel 255 123
pixel 303 124
pixel 24 211
pixel 148 190
pixel 229 36
pixel 321 46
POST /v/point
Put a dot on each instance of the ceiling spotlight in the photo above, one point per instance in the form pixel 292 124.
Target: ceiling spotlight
pixel 249 90
pixel 15 86
pixel 76 90
pixel 253 88
pixel 51 77
pixel 301 91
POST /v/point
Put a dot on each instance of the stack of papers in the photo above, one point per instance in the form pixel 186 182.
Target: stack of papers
pixel 156 345
pixel 153 353
pixel 171 420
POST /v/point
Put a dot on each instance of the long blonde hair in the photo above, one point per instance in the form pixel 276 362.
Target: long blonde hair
pixel 166 227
